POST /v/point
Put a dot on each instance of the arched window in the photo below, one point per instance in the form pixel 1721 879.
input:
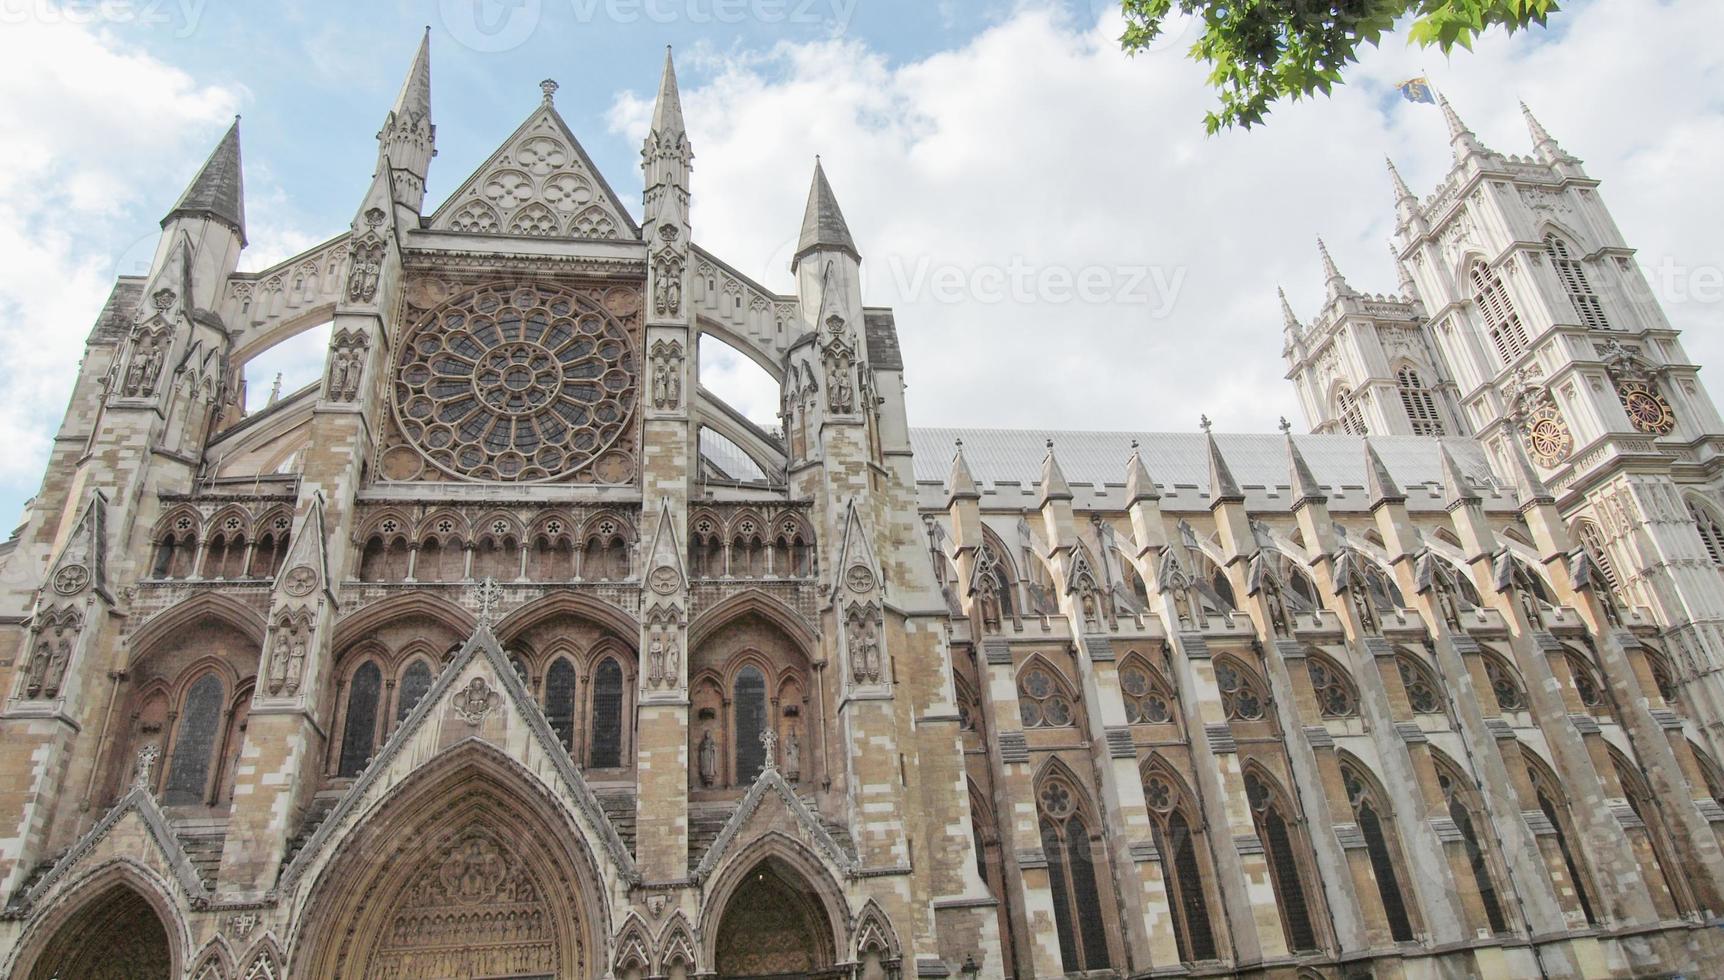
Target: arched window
pixel 1042 700
pixel 1711 534
pixel 1421 406
pixel 1573 276
pixel 225 556
pixel 1336 695
pixel 1462 810
pixel 560 701
pixel 1424 694
pixel 1587 684
pixel 1073 879
pixel 1592 539
pixel 705 547
pixel 1553 803
pixel 607 736
pixel 1502 323
pixel 749 706
pixel 271 548
pixel 1505 683
pixel 1274 829
pixel 195 743
pixel 1172 819
pixel 747 549
pixel 359 731
pixel 415 681
pixel 1639 795
pixel 1148 701
pixel 1371 810
pixel 1349 412
pixel 1663 677
pixel 1242 696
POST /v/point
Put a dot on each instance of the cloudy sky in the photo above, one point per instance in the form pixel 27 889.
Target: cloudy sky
pixel 1063 244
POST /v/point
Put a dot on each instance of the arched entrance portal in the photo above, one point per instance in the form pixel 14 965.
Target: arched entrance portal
pixel 466 874
pixel 774 925
pixel 117 936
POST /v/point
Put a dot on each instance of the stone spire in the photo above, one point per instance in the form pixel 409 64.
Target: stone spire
pixel 1459 488
pixel 1304 483
pixel 1464 141
pixel 1139 485
pixel 823 224
pixel 1528 485
pixel 218 191
pixel 962 483
pixel 1380 485
pixel 413 104
pixel 408 140
pixel 1054 485
pixel 1405 275
pixel 1403 194
pixel 667 111
pixel 1288 318
pixel 1333 281
pixel 1542 142
pixel 1222 485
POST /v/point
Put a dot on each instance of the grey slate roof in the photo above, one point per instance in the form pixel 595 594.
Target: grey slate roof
pixel 822 223
pixel 218 191
pixel 115 320
pixel 1180 459
pixel 882 336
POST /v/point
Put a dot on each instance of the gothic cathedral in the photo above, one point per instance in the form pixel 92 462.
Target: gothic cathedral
pixel 508 650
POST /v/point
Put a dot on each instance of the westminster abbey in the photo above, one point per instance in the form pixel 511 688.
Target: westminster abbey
pixel 507 649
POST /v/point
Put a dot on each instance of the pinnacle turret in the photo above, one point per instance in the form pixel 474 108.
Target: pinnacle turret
pixel 1464 141
pixel 1548 149
pixel 667 111
pixel 1334 283
pixel 1458 488
pixel 1403 193
pixel 1054 485
pixel 823 224
pixel 408 140
pixel 1139 485
pixel 1288 318
pixel 218 191
pixel 1306 489
pixel 962 483
pixel 413 103
pixel 1380 485
pixel 1222 485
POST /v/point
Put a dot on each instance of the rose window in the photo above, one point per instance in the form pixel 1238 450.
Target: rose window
pixel 522 384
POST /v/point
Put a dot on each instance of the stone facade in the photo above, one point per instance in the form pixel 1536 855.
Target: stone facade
pixel 508 650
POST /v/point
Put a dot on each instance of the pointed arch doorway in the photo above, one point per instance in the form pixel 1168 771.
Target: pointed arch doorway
pixel 775 927
pixel 117 935
pixel 467 874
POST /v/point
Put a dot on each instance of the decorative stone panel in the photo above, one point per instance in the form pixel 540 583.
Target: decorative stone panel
pixel 1500 729
pixel 1196 647
pixel 1032 858
pixel 1319 737
pixel 1119 743
pixel 1247 844
pixel 1350 836
pixel 1376 646
pixel 1410 732
pixel 1538 823
pixel 1584 724
pixel 1446 830
pixel 997 652
pixel 1625 815
pixel 1221 738
pixel 1099 649
pixel 1144 850
pixel 1014 748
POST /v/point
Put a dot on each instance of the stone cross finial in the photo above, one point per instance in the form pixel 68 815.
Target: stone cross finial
pixel 769 738
pixel 1285 426
pixel 549 87
pixel 146 766
pixel 1204 423
pixel 489 594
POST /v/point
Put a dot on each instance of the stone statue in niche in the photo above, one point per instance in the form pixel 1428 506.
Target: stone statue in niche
pixel 367 269
pixel 708 759
pixel 287 655
pixel 793 754
pixel 655 661
pixel 346 365
pixel 864 637
pixel 45 671
pixel 667 374
pixel 667 284
pixel 145 367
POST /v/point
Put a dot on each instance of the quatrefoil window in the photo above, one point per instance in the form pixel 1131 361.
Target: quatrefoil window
pixel 518 383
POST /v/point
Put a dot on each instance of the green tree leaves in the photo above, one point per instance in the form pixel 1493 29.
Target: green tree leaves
pixel 1260 51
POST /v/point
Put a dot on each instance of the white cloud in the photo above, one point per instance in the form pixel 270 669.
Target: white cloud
pixel 1037 143
pixel 105 134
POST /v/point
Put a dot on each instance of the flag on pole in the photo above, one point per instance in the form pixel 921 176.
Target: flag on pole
pixel 1417 89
